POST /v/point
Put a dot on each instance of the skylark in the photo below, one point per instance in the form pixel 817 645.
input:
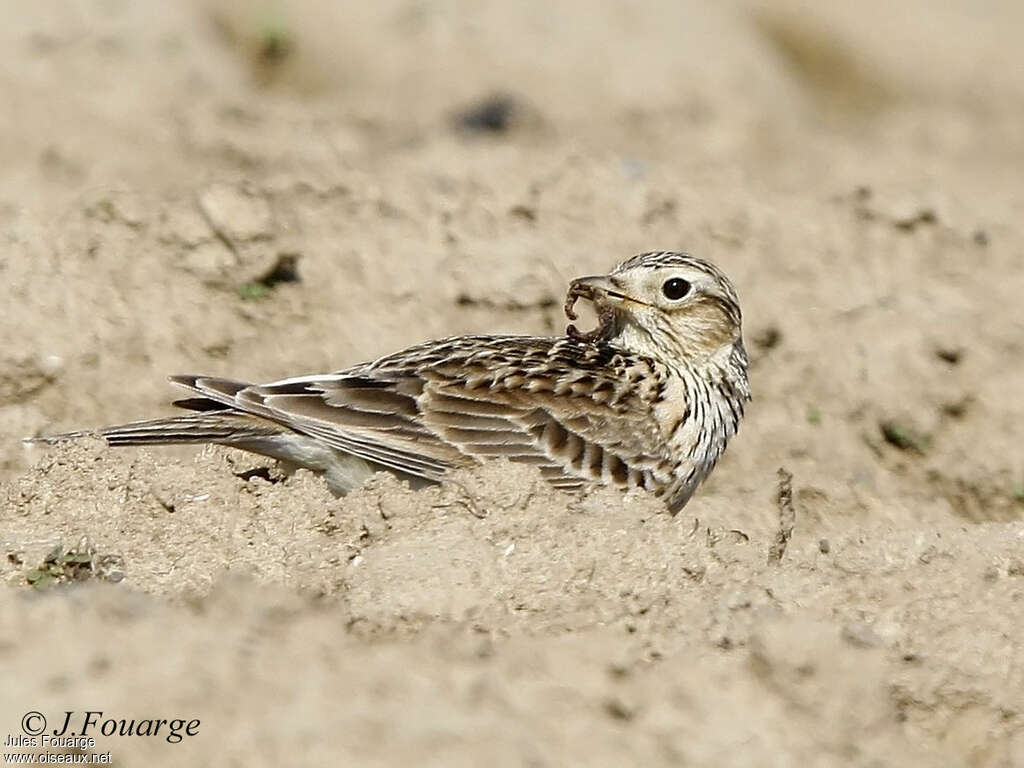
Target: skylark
pixel 649 399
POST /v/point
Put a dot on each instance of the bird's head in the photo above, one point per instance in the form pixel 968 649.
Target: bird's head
pixel 665 305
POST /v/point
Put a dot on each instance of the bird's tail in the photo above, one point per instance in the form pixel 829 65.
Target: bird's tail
pixel 223 427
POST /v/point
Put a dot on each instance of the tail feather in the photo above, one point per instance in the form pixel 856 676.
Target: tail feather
pixel 223 427
pixel 63 437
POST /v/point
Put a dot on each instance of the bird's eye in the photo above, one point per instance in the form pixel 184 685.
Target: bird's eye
pixel 675 288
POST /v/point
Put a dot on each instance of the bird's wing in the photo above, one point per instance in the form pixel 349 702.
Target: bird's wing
pixel 579 411
pixel 372 418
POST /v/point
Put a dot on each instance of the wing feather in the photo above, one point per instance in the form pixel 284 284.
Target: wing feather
pixel 566 406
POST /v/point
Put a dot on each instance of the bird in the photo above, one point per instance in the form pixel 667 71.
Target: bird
pixel 648 399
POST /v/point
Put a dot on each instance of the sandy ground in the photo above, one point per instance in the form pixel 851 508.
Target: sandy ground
pixel 435 168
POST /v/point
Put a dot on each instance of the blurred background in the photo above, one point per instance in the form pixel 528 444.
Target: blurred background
pixel 262 189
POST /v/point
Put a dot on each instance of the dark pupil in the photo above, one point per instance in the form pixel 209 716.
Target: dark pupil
pixel 675 288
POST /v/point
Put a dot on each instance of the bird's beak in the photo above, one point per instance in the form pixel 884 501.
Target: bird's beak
pixel 608 299
pixel 601 289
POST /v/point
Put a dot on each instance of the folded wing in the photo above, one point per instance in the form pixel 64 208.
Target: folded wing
pixel 579 411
